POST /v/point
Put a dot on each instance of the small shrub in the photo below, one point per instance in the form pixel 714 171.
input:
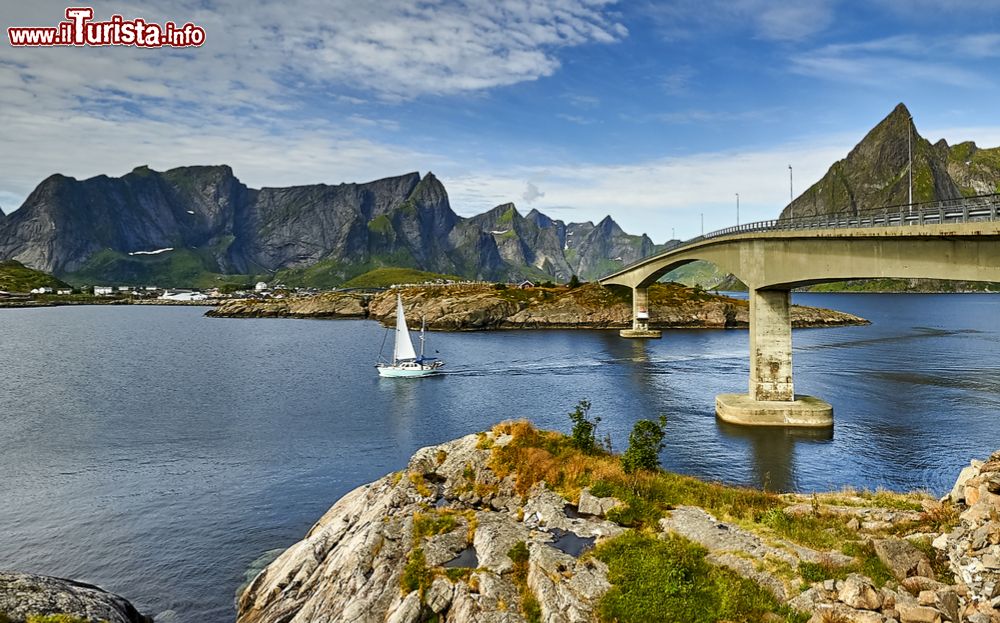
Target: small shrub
pixel 584 429
pixel 499 286
pixel 644 445
pixel 416 575
pixel 432 524
pixel 574 282
pixel 519 553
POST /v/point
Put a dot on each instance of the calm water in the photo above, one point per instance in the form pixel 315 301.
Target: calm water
pixel 159 453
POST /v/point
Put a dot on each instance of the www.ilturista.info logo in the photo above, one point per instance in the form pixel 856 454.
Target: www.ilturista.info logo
pixel 79 29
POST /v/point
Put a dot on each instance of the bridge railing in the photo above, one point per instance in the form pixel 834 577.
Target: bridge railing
pixel 960 210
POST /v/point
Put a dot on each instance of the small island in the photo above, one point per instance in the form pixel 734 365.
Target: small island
pixel 479 306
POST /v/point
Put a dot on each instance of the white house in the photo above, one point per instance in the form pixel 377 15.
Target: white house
pixel 103 290
pixel 261 286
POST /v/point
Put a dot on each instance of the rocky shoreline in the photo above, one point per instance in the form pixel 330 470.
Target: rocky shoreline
pixel 470 531
pixel 482 307
pixel 454 539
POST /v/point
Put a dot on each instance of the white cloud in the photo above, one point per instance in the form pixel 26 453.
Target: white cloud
pixel 243 97
pixel 531 193
pixel 902 59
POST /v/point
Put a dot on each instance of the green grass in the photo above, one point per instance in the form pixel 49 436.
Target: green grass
pixel 387 276
pixel 530 607
pixel 16 277
pixel 433 523
pixel 180 268
pixel 380 225
pixel 866 562
pixel 670 577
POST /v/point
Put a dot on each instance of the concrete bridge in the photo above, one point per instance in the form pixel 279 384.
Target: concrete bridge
pixel 955 239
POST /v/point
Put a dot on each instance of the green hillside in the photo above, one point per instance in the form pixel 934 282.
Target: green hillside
pixel 16 277
pixel 387 276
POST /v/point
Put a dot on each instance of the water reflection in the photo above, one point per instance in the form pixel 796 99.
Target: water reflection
pixel 772 451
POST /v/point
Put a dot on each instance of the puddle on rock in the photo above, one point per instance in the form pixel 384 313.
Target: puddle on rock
pixel 570 542
pixel 466 559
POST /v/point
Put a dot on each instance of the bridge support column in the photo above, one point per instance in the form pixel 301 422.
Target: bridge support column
pixel 772 400
pixel 640 317
pixel 771 345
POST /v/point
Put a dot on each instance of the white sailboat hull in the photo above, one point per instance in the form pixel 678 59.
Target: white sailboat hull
pixel 409 369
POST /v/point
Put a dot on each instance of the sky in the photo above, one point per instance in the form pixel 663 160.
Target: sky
pixel 657 113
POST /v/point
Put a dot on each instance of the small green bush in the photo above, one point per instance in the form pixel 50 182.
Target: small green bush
pixel 574 282
pixel 644 445
pixel 499 286
pixel 416 575
pixel 583 436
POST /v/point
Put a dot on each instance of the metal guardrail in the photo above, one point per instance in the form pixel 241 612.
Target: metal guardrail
pixel 961 210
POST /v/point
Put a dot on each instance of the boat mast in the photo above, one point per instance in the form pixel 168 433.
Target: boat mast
pixel 423 325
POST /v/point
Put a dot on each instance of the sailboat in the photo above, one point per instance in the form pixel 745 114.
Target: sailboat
pixel 405 361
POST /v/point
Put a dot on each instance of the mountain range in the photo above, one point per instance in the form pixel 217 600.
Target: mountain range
pixel 198 225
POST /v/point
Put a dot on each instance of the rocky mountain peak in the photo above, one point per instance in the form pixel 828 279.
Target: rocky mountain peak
pixel 877 172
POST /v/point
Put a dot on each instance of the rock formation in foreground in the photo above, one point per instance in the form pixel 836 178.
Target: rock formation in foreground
pixel 471 532
pixel 23 594
pixel 479 307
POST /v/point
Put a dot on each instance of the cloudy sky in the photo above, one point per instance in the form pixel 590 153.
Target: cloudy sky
pixel 653 112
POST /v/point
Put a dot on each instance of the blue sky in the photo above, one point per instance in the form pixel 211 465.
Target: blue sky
pixel 653 112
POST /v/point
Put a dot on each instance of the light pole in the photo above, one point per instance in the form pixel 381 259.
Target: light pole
pixel 702 223
pixel 791 194
pixel 737 209
pixel 909 154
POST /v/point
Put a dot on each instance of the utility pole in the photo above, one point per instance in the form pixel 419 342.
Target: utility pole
pixel 737 209
pixel 702 223
pixel 909 153
pixel 791 194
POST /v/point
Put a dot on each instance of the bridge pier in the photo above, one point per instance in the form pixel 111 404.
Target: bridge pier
pixel 771 400
pixel 640 316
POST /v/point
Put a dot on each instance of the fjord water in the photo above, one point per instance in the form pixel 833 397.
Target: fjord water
pixel 159 453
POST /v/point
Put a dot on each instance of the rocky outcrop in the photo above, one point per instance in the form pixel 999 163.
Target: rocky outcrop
pixel 480 307
pixel 325 305
pixel 451 539
pixel 440 538
pixel 23 594
pixel 588 307
pixel 973 547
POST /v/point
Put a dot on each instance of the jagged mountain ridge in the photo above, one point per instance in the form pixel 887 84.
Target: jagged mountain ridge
pixel 190 224
pixel 875 173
